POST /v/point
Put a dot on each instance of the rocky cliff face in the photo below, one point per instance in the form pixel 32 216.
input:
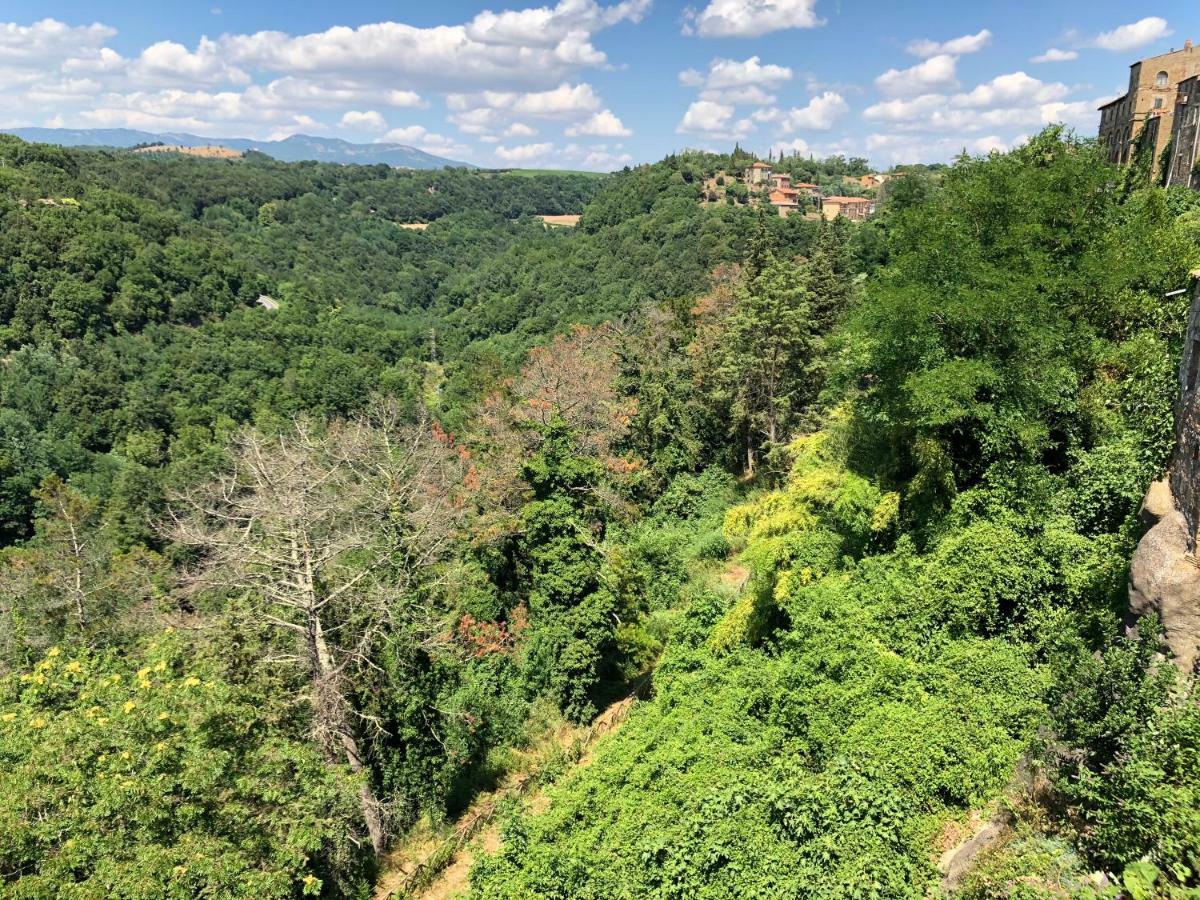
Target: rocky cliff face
pixel 1164 575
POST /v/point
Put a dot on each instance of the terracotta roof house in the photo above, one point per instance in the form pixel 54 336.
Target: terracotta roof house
pixel 758 173
pixel 856 209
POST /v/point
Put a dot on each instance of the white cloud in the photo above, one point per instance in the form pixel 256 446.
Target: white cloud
pixel 49 40
pixel 713 119
pixel 1015 100
pixel 751 95
pixel 820 114
pixel 726 73
pixel 750 18
pixel 959 46
pixel 369 120
pixel 935 73
pixel 548 27
pixel 564 101
pixel 221 114
pixel 519 129
pixel 1137 34
pixel 524 152
pixel 896 149
pixel 602 124
pixel 421 138
pixel 511 49
pixel 518 63
pixel 799 145
pixel 603 161
pixel 744 82
pixel 170 63
pixel 1056 55
pixel 1015 89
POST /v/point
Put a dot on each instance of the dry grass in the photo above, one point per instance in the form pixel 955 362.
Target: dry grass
pixel 414 226
pixel 561 221
pixel 209 152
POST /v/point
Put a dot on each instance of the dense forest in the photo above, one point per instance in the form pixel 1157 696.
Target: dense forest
pixel 850 507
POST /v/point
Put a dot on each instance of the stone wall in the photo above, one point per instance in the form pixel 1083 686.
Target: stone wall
pixel 1164 576
pixel 1184 473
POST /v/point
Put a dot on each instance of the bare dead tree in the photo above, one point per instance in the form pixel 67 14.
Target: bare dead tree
pixel 330 528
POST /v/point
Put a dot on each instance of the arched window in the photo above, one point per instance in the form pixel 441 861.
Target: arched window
pixel 1160 80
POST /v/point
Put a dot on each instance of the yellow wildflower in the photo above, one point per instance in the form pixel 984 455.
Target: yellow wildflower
pixel 163 715
pixel 144 685
pixel 38 722
pixel 129 706
pixel 143 672
pixel 39 678
pixel 124 754
pixel 74 666
pixel 180 871
pixel 161 666
pixel 53 651
pixel 191 681
pixel 160 746
pixel 310 882
pixel 8 717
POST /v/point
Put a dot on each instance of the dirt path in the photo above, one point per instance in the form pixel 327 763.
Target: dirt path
pixel 437 865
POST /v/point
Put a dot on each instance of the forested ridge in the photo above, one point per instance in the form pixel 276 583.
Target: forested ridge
pixel 279 584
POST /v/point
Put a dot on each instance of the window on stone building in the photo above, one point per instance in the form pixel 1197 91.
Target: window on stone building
pixel 1160 80
pixel 1158 102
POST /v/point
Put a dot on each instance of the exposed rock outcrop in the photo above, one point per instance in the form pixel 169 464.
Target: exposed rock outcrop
pixel 1164 576
pixel 1164 579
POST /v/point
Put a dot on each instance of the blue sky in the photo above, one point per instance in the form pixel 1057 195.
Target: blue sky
pixel 584 83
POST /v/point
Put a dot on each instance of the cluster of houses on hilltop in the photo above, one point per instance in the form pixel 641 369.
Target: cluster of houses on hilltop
pixel 789 198
pixel 1159 115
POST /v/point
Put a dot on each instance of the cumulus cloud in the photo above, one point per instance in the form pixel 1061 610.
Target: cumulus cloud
pixel 1136 34
pixel 750 18
pixel 519 129
pixel 524 152
pixel 602 124
pixel 1055 55
pixel 959 46
pixel 564 101
pixel 1014 100
pixel 505 65
pixel 821 114
pixel 49 40
pixel 423 139
pixel 510 49
pixel 1015 89
pixel 737 81
pixel 898 149
pixel 368 120
pixel 935 73
pixel 171 63
pixel 713 119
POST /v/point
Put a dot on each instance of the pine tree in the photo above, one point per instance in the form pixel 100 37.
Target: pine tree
pixel 768 347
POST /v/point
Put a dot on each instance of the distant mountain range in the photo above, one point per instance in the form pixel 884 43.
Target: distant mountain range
pixel 296 148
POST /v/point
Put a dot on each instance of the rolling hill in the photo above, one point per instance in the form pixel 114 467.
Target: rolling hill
pixel 297 148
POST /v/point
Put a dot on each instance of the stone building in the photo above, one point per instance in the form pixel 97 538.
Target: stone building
pixel 1164 574
pixel 1185 136
pixel 758 174
pixel 1148 104
pixel 856 209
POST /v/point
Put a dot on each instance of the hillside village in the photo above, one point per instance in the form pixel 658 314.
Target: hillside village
pixel 763 184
